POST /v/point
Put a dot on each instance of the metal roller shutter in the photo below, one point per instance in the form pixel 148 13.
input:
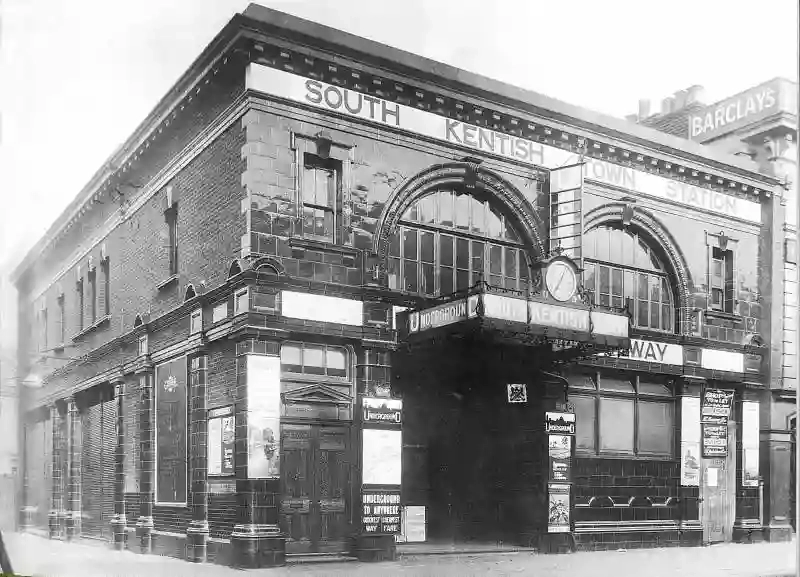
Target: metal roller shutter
pixel 97 469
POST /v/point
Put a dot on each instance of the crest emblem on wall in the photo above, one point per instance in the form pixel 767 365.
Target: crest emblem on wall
pixel 171 384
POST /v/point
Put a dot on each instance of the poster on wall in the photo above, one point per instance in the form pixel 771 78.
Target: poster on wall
pixel 690 441
pixel 716 407
pixel 380 511
pixel 382 456
pixel 221 431
pixel 171 432
pixel 560 453
pixel 558 517
pixel 263 416
pixel 715 440
pixel 750 438
pixel 414 524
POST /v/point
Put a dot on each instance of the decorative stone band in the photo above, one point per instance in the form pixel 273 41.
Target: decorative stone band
pixel 310 92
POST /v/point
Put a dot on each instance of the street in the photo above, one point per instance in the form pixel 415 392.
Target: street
pixel 34 555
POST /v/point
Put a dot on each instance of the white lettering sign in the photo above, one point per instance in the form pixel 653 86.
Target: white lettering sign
pixel 400 117
pixel 654 352
pixel 715 119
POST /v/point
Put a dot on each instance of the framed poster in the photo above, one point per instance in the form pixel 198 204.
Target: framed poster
pixel 380 512
pixel 221 435
pixel 690 441
pixel 558 508
pixel 171 406
pixel 750 442
pixel 716 406
pixel 715 440
pixel 263 416
pixel 560 458
pixel 381 457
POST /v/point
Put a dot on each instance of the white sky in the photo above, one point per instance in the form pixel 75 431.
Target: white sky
pixel 77 76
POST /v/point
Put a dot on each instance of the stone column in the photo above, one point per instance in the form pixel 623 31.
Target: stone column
pixel 73 515
pixel 119 521
pixel 57 496
pixel 197 532
pixel 144 525
pixel 256 540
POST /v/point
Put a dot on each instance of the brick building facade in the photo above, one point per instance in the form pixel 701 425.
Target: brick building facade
pixel 305 303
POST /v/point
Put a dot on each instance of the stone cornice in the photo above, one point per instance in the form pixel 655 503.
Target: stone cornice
pixel 360 64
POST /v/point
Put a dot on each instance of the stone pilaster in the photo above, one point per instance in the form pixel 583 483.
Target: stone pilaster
pixel 197 532
pixel 256 540
pixel 56 514
pixel 373 379
pixel 73 515
pixel 119 521
pixel 144 524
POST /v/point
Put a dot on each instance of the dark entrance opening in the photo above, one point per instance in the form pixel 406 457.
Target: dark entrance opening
pixel 477 462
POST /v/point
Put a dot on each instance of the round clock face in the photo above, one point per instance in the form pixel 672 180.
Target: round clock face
pixel 561 280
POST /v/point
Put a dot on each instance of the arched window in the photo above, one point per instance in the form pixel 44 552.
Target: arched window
pixel 446 240
pixel 620 265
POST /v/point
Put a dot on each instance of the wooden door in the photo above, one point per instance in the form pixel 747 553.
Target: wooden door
pixel 719 493
pixel 315 482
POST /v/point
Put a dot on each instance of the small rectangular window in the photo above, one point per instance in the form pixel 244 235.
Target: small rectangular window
pixel 241 302
pixel 722 281
pixel 264 302
pixel 143 345
pixel 319 197
pixel 314 359
pixel 171 217
pixel 81 306
pixel 93 295
pixel 62 320
pixel 219 313
pixel 196 322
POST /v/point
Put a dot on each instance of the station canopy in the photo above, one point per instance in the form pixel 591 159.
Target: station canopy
pixel 566 331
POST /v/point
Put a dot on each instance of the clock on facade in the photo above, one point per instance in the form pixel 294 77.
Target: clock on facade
pixel 561 280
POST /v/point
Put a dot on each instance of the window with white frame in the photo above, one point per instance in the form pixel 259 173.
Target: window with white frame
pixel 196 321
pixel 313 359
pixel 241 301
pixel 220 312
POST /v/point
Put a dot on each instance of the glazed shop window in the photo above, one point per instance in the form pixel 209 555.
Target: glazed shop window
pixel 314 359
pixel 617 416
pixel 622 270
pixel 319 196
pixel 447 241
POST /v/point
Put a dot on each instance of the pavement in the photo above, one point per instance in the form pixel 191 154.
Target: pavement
pixel 35 555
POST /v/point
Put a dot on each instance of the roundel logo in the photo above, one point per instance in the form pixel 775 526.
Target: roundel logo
pixel 413 322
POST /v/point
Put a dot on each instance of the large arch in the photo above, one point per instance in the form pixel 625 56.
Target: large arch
pixel 507 197
pixel 656 233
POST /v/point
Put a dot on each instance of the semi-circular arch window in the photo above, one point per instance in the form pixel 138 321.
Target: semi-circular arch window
pixel 620 265
pixel 445 241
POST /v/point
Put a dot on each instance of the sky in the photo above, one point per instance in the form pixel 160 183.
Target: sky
pixel 78 76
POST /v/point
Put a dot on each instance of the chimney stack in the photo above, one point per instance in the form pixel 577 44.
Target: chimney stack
pixel 644 108
pixel 667 105
pixel 680 100
pixel 696 94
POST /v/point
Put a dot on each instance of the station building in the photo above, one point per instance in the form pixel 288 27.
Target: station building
pixel 334 298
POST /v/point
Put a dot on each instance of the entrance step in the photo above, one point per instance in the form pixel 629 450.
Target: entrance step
pixel 419 549
pixel 302 558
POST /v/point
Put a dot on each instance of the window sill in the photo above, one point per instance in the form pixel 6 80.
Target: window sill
pixel 102 321
pixel 715 314
pixel 166 283
pixel 623 456
pixel 321 245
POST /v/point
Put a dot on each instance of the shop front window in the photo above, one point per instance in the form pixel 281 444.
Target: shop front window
pixel 622 270
pixel 620 417
pixel 447 241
